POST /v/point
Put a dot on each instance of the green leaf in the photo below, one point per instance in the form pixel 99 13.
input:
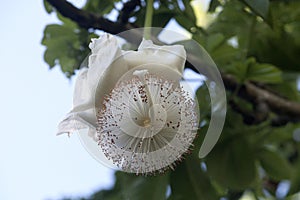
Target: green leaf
pixel 67 22
pixel 133 187
pixel 59 41
pixel 293 28
pixel 185 22
pixel 50 57
pixel 260 7
pixel 189 11
pixel 204 101
pixel 265 73
pixel 213 5
pixel 66 46
pixel 100 7
pixel 250 70
pixel 47 7
pixel 275 165
pixel 161 17
pixel 112 194
pixel 185 18
pixel 238 69
pixel 231 21
pixel 278 135
pixel 188 181
pixel 231 164
pixel 294 197
pixel 295 180
pixel 225 55
pixel 213 41
pixel 68 65
pixel 196 50
pixel 279 46
pixel 146 188
pixel 219 49
pixel 287 89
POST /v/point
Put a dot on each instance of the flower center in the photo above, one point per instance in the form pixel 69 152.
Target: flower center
pixel 146 122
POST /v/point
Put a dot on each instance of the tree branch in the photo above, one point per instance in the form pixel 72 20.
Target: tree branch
pixel 87 19
pixel 282 106
pixel 127 9
pixel 257 116
pixel 253 93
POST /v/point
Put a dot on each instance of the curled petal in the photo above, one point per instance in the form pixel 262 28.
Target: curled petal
pixel 80 116
pixel 74 122
pixel 173 56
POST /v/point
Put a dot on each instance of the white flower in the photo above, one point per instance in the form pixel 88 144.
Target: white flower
pixel 133 106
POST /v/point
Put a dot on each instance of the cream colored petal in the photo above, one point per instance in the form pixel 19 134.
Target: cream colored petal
pixel 173 56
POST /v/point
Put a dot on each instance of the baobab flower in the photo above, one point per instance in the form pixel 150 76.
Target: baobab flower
pixel 133 106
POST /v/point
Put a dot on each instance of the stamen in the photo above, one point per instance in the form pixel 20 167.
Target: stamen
pixel 141 74
pixel 146 124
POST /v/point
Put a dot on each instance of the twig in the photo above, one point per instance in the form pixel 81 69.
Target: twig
pixel 253 93
pixel 127 9
pixel 87 19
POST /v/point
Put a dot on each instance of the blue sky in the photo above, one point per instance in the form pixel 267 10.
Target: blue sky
pixel 36 164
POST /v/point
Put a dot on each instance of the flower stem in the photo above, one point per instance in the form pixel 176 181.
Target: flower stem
pixel 148 19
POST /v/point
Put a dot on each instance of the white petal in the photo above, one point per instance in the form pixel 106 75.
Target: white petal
pixel 94 83
pixel 82 96
pixel 73 122
pixel 173 56
pixel 106 66
pixel 82 116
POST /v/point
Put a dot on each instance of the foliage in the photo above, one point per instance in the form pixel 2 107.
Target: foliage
pixel 254 41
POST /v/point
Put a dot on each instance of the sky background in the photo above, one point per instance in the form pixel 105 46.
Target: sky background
pixel 34 163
